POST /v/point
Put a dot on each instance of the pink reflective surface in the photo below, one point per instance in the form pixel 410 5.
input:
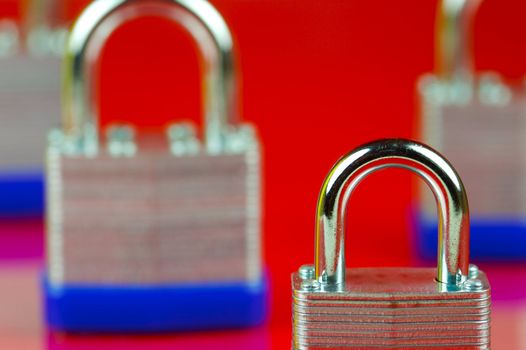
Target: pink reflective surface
pixel 234 340
pixel 21 239
pixel 22 326
pixel 21 318
pixel 20 315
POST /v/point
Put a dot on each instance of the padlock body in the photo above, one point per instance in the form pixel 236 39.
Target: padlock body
pixel 123 231
pixel 485 142
pixel 29 91
pixel 391 308
pixel 153 218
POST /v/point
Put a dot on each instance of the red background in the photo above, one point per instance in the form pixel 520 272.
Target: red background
pixel 319 78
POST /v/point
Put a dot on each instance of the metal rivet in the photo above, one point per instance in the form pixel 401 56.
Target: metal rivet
pixel 473 285
pixel 121 141
pixel 310 285
pixel 306 272
pixel 473 271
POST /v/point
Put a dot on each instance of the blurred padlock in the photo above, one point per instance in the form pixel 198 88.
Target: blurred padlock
pixel 150 235
pixel 417 308
pixel 30 51
pixel 479 123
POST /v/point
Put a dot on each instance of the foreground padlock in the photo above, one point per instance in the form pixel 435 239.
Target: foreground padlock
pixel 480 123
pixel 417 308
pixel 148 235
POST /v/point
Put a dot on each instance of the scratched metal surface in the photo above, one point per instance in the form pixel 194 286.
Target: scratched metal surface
pixel 495 142
pixel 391 308
pixel 134 220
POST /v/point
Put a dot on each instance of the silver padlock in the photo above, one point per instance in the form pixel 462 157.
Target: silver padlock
pixel 476 119
pixel 479 122
pixel 417 308
pixel 30 51
pixel 176 214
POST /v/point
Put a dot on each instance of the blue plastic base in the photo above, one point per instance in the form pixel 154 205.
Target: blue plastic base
pixel 21 193
pixel 491 239
pixel 184 307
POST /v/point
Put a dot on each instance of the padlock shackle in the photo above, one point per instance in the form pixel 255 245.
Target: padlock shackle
pixel 454 39
pixel 349 171
pixel 100 19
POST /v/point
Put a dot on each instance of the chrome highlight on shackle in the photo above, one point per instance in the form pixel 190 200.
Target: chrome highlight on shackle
pixel 89 34
pixel 454 45
pixel 349 171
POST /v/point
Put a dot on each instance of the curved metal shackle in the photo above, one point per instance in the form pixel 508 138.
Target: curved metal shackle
pixel 91 31
pixel 454 38
pixel 349 171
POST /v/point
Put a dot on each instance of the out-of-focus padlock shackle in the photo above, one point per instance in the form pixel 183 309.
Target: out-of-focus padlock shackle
pixel 91 31
pixel 454 44
pixel 349 171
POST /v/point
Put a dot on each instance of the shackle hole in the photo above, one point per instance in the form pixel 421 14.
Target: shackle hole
pixel 378 230
pixel 149 75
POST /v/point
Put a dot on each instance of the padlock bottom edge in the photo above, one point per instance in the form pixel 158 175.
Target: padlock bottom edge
pixel 155 309
pixel 22 193
pixel 492 239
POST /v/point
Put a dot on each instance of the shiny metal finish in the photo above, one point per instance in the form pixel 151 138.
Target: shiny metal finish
pixel 391 308
pixel 153 218
pixel 147 209
pixel 30 51
pixel 403 308
pixel 476 119
pixel 349 171
pixel 29 100
pixel 101 18
pixel 454 22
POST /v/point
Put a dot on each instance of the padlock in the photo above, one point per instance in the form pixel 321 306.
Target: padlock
pixel 417 308
pixel 30 51
pixel 478 121
pixel 149 235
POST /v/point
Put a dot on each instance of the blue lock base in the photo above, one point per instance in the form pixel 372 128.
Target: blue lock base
pixel 21 193
pixel 163 308
pixel 491 239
